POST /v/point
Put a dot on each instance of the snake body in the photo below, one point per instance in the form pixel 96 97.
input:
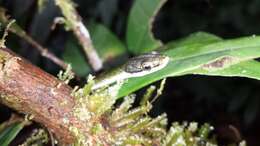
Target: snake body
pixel 135 67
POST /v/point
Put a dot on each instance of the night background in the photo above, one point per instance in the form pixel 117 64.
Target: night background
pixel 231 105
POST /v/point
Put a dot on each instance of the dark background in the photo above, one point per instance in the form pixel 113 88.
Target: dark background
pixel 231 105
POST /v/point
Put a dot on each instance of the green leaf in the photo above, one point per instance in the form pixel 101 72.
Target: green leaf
pixel 187 58
pixel 105 42
pixel 194 38
pixel 139 35
pixel 10 132
pixel 74 56
pixel 249 69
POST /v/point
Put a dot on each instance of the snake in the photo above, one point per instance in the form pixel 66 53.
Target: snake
pixel 137 66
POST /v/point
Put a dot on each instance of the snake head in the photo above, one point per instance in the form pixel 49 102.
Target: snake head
pixel 146 64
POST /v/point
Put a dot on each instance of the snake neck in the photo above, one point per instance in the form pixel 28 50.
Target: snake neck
pixel 115 76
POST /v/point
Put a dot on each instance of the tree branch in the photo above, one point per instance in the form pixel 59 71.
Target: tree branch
pixel 30 90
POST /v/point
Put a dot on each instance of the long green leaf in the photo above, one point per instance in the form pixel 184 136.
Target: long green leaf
pixel 139 35
pixel 249 69
pixel 194 38
pixel 10 132
pixel 192 56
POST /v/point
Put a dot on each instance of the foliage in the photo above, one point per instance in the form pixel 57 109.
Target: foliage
pixel 139 37
pixel 127 125
pixel 9 129
pixel 9 133
pixel 207 58
pixel 199 53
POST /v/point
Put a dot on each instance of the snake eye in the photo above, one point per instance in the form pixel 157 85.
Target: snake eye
pixel 146 67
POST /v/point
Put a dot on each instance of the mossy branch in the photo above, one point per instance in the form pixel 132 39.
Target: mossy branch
pixel 30 90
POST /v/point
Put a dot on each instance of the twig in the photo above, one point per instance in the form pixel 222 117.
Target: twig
pixel 159 91
pixel 16 29
pixel 74 22
pixel 44 51
pixel 2 42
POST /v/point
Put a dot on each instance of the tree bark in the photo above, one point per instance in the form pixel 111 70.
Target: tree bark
pixel 29 90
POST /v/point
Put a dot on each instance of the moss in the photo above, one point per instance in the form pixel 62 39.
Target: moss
pixel 10 100
pixel 81 140
pixel 128 125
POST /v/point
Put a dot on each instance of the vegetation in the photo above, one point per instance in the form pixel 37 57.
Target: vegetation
pixel 112 115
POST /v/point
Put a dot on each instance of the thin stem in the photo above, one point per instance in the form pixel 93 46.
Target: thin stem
pixel 16 29
pixel 44 51
pixel 74 22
